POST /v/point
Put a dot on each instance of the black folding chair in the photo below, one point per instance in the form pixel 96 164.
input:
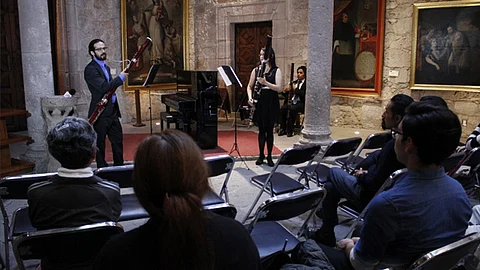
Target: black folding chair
pixel 269 235
pixel 447 257
pixel 15 188
pixel 345 207
pixel 373 141
pixel 276 183
pixel 343 147
pixel 64 248
pixel 131 207
pixel 220 203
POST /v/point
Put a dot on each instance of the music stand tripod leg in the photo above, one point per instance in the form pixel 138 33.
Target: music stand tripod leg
pixel 235 144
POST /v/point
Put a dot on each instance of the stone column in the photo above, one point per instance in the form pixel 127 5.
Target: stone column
pixel 37 73
pixel 317 104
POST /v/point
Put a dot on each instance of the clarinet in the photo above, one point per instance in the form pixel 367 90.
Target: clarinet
pixel 102 104
pixel 257 90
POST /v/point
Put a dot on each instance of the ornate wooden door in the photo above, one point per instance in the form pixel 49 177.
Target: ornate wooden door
pixel 249 39
pixel 11 76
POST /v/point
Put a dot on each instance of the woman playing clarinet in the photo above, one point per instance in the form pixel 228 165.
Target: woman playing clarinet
pixel 266 104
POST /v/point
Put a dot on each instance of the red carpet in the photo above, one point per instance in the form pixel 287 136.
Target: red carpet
pixel 246 141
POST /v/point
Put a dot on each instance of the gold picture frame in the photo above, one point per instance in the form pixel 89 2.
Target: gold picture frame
pixel 166 23
pixel 446 46
pixel 357 49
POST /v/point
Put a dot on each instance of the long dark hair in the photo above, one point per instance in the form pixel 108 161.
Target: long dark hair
pixel 170 178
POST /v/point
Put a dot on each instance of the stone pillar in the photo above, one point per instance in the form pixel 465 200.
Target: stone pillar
pixel 317 104
pixel 37 73
pixel 54 110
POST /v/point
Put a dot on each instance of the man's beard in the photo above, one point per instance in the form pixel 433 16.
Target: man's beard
pixel 384 125
pixel 101 57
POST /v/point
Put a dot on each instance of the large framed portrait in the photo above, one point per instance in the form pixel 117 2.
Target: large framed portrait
pixel 357 49
pixel 446 46
pixel 166 23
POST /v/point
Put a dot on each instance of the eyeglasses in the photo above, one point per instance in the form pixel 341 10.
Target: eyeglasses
pixel 396 132
pixel 101 49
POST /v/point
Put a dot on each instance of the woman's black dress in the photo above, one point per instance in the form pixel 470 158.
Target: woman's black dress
pixel 268 106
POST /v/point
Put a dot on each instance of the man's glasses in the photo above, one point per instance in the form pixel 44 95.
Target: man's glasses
pixel 395 132
pixel 101 49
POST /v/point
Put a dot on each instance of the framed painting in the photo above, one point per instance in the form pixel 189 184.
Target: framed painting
pixel 166 23
pixel 446 46
pixel 357 50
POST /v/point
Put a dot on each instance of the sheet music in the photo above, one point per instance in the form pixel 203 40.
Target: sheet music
pixel 227 74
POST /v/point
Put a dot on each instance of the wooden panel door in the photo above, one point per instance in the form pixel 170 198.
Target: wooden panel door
pixel 11 76
pixel 249 39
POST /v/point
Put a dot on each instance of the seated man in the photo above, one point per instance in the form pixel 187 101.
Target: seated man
pixel 75 196
pixel 425 209
pixel 288 112
pixel 361 187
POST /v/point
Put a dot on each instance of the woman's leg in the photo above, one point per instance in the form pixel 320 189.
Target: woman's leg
pixel 261 145
pixel 269 135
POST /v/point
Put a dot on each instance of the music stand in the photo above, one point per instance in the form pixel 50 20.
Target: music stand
pixel 150 77
pixel 229 77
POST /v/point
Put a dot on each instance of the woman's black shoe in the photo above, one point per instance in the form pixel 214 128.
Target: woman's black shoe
pixel 260 160
pixel 270 162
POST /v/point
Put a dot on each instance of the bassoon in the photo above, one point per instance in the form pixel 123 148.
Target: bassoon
pixel 106 98
pixel 257 90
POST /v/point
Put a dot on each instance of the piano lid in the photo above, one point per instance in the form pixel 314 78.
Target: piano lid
pixel 193 82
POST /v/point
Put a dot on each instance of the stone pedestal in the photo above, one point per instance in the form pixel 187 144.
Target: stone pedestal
pixel 54 110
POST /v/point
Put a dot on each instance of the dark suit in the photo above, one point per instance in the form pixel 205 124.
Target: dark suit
pixel 288 112
pixel 108 122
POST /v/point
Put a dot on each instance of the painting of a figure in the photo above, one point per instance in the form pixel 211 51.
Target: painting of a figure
pixel 357 45
pixel 163 22
pixel 447 51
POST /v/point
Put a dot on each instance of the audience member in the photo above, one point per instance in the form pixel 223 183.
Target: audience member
pixel 170 178
pixel 75 196
pixel 434 100
pixel 424 210
pixel 364 184
pixel 473 140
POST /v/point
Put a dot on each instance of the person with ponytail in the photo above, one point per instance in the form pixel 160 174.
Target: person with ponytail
pixel 170 178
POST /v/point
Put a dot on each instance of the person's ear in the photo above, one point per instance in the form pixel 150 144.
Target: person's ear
pixel 91 53
pixel 397 119
pixel 409 145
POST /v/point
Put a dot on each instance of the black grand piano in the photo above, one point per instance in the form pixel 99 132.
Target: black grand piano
pixel 196 101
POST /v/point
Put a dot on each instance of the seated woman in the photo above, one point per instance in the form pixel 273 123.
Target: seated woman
pixel 170 178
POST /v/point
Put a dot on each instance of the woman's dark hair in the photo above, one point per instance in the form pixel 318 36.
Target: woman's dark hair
pixel 271 57
pixel 304 68
pixel 91 47
pixel 72 142
pixel 170 178
pixel 434 130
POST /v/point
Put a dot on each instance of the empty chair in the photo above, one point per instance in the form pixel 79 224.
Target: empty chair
pixel 64 248
pixel 335 149
pixel 15 188
pixel 373 141
pixel 131 207
pixel 269 235
pixel 277 183
pixel 220 203
pixel 448 256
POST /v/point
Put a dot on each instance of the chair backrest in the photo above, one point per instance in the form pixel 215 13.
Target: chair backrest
pixel 16 187
pixel 455 161
pixel 220 164
pixel 343 147
pixel 289 205
pixel 120 174
pixel 64 248
pixel 376 140
pixel 448 256
pixel 298 155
